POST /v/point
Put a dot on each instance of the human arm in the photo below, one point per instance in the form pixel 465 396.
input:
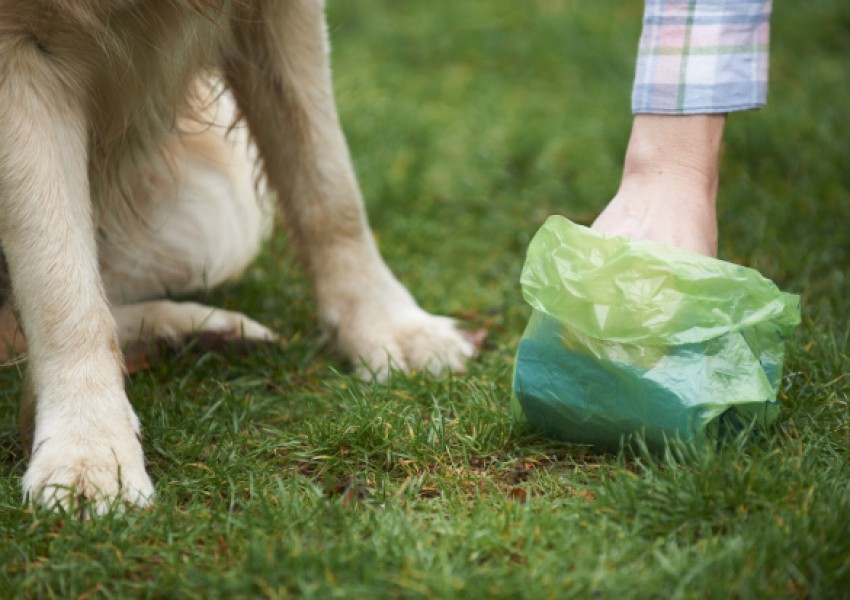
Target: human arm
pixel 669 186
pixel 697 60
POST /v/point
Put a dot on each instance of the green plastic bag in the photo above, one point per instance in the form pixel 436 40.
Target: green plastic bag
pixel 630 337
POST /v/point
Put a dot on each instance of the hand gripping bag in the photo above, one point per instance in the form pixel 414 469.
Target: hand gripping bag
pixel 639 337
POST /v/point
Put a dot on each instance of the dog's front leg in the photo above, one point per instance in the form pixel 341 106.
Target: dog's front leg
pixel 281 79
pixel 86 438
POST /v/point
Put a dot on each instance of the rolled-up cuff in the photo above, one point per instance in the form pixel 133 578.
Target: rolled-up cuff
pixel 702 56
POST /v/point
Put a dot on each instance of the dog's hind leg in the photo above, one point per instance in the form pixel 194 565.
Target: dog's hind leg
pixel 198 219
pixel 86 438
pixel 145 326
pixel 198 223
pixel 280 76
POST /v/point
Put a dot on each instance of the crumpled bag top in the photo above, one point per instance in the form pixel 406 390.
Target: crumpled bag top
pixel 634 337
pixel 646 293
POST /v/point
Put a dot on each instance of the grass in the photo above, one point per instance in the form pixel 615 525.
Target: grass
pixel 280 474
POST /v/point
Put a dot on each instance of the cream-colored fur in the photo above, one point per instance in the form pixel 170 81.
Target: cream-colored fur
pixel 120 181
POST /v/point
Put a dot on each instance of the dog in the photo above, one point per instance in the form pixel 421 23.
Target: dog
pixel 136 141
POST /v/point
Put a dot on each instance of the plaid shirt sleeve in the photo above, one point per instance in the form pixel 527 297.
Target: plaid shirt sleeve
pixel 702 56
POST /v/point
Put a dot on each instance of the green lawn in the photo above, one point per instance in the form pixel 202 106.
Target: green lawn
pixel 280 474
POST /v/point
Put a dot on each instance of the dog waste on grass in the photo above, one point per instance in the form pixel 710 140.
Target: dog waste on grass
pixel 638 337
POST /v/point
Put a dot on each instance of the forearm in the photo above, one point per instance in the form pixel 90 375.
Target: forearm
pixel 669 185
pixel 698 60
pixel 682 147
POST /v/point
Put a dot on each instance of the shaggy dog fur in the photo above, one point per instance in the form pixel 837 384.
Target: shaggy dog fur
pixel 126 171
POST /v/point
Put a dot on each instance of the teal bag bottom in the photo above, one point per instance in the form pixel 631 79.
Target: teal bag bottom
pixel 572 396
pixel 630 337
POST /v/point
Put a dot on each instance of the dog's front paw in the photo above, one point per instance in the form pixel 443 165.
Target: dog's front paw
pixel 92 470
pixel 379 325
pixel 411 340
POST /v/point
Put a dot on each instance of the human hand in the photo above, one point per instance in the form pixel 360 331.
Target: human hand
pixel 669 185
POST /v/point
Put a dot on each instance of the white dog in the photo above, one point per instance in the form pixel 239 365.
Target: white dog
pixel 121 178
